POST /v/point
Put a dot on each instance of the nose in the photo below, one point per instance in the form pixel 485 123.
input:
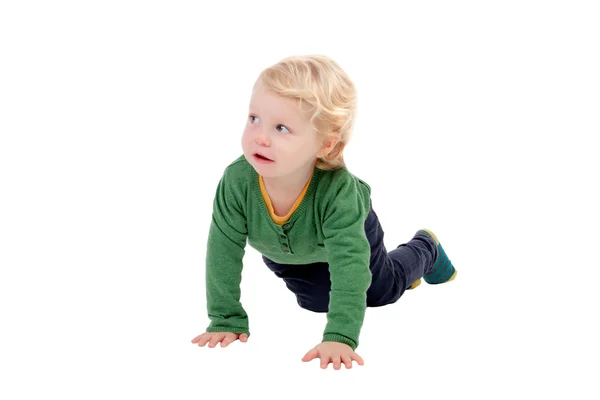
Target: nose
pixel 262 138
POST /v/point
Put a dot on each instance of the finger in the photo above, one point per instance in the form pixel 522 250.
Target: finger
pixel 204 339
pixel 357 358
pixel 229 338
pixel 336 362
pixel 216 339
pixel 324 362
pixel 312 354
pixel 197 338
pixel 243 337
pixel 347 361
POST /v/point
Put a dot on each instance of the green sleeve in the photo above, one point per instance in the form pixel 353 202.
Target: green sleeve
pixel 225 251
pixel 348 252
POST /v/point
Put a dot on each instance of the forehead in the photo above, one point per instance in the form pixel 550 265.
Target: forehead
pixel 266 101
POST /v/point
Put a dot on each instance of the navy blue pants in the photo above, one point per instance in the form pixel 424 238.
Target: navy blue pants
pixel 392 272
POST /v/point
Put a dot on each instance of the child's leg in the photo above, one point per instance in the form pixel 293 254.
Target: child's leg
pixel 403 267
pixel 397 270
pixel 441 271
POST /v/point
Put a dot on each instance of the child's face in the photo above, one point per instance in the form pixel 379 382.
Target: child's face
pixel 277 129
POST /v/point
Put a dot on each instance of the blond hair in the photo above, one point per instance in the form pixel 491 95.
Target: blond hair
pixel 330 96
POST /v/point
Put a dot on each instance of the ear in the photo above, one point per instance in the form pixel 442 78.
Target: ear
pixel 327 147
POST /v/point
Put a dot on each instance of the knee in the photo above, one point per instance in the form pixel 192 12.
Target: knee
pixel 390 297
pixel 314 304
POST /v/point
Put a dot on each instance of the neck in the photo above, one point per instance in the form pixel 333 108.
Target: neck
pixel 291 183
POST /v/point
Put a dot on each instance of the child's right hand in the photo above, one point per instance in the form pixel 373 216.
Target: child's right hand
pixel 225 338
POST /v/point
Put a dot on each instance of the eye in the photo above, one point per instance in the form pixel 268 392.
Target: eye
pixel 282 126
pixel 251 118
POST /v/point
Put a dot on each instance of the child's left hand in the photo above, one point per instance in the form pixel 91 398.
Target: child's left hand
pixel 334 352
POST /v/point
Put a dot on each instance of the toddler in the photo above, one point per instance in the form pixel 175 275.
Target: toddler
pixel 292 198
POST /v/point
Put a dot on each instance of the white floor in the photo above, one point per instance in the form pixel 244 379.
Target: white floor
pixel 475 121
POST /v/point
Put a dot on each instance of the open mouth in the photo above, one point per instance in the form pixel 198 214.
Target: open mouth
pixel 261 157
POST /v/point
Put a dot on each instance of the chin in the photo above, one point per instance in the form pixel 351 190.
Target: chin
pixel 265 172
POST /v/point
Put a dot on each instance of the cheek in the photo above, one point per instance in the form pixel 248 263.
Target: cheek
pixel 245 139
pixel 310 146
pixel 246 135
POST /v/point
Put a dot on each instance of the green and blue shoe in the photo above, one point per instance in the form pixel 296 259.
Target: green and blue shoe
pixel 443 271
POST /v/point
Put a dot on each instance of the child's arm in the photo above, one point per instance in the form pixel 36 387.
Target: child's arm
pixel 348 253
pixel 225 251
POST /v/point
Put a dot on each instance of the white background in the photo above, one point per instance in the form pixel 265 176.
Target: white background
pixel 478 120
